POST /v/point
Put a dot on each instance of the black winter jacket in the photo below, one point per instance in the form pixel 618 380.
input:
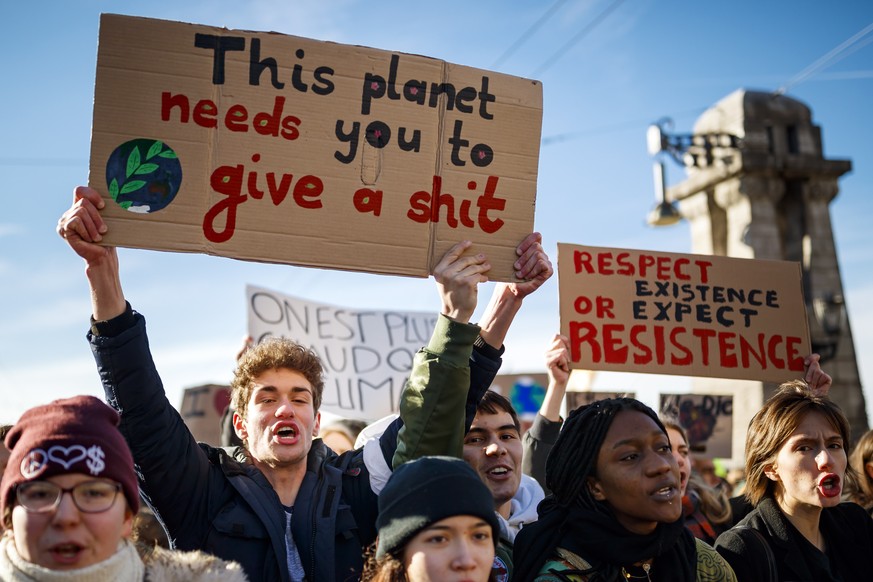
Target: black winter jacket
pixel 211 499
pixel 848 534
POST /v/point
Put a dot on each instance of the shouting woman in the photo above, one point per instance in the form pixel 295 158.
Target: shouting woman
pixel 796 472
pixel 68 498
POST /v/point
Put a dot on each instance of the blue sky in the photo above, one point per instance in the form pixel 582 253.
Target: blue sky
pixel 645 60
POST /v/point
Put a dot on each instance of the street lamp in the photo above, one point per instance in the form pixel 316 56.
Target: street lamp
pixel 687 150
pixel 664 213
pixel 828 311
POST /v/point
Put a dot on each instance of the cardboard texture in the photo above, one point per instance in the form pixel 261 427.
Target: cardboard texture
pixel 201 409
pixel 367 354
pixel 267 147
pixel 689 315
pixel 708 420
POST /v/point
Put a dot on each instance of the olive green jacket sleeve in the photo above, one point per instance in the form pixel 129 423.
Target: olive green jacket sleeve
pixel 433 401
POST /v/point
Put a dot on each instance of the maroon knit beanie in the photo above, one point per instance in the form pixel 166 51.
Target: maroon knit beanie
pixel 73 435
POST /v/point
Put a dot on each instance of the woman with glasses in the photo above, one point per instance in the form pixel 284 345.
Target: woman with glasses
pixel 68 498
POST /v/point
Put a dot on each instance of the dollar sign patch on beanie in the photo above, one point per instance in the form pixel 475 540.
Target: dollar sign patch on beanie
pixel 72 435
pixel 425 491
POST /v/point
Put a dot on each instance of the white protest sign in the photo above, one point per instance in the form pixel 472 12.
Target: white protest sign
pixel 367 354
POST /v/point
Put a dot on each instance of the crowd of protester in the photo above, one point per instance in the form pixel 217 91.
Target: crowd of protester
pixel 448 489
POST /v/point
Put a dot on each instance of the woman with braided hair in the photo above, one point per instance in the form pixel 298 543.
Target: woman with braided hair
pixel 615 512
pixel 68 499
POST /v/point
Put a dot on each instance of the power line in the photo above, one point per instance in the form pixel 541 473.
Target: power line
pixel 527 33
pixel 831 57
pixel 614 127
pixel 579 36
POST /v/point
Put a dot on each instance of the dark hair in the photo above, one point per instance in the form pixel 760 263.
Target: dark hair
pixel 388 568
pixel 348 427
pixel 494 403
pixel 570 464
pixel 574 457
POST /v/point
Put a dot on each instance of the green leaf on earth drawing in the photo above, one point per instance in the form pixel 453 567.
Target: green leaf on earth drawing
pixel 133 161
pixel 169 154
pixel 155 149
pixel 132 186
pixel 146 168
pixel 113 189
pixel 126 204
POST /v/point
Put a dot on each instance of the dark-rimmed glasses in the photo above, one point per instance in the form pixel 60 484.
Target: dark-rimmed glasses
pixel 88 496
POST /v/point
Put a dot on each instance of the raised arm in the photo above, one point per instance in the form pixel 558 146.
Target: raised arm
pixel 83 228
pixel 541 436
pixel 533 268
pixel 818 380
pixel 558 366
pixel 172 468
pixel 432 405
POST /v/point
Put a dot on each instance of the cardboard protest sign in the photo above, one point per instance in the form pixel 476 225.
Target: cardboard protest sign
pixel 367 354
pixel 575 399
pixel 202 407
pixel 689 315
pixel 524 391
pixel 268 147
pixel 708 420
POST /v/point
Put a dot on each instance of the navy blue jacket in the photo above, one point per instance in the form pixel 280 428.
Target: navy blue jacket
pixel 210 499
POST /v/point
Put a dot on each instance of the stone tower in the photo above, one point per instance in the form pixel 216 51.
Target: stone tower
pixel 768 199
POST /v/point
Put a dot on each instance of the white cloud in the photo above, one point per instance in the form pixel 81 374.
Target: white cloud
pixel 12 229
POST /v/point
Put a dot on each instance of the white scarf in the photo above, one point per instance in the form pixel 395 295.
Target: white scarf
pixel 523 509
pixel 124 565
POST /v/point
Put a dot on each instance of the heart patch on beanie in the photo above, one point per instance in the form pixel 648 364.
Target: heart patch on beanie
pixel 66 457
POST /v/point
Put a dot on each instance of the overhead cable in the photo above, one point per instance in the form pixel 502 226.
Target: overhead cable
pixel 831 57
pixel 579 36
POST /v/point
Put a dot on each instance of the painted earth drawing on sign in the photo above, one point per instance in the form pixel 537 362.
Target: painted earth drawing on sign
pixel 143 175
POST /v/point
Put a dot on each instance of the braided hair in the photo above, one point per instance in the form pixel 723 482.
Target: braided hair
pixel 574 457
pixel 572 518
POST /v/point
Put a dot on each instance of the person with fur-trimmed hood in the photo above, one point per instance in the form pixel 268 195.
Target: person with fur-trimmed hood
pixel 68 498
